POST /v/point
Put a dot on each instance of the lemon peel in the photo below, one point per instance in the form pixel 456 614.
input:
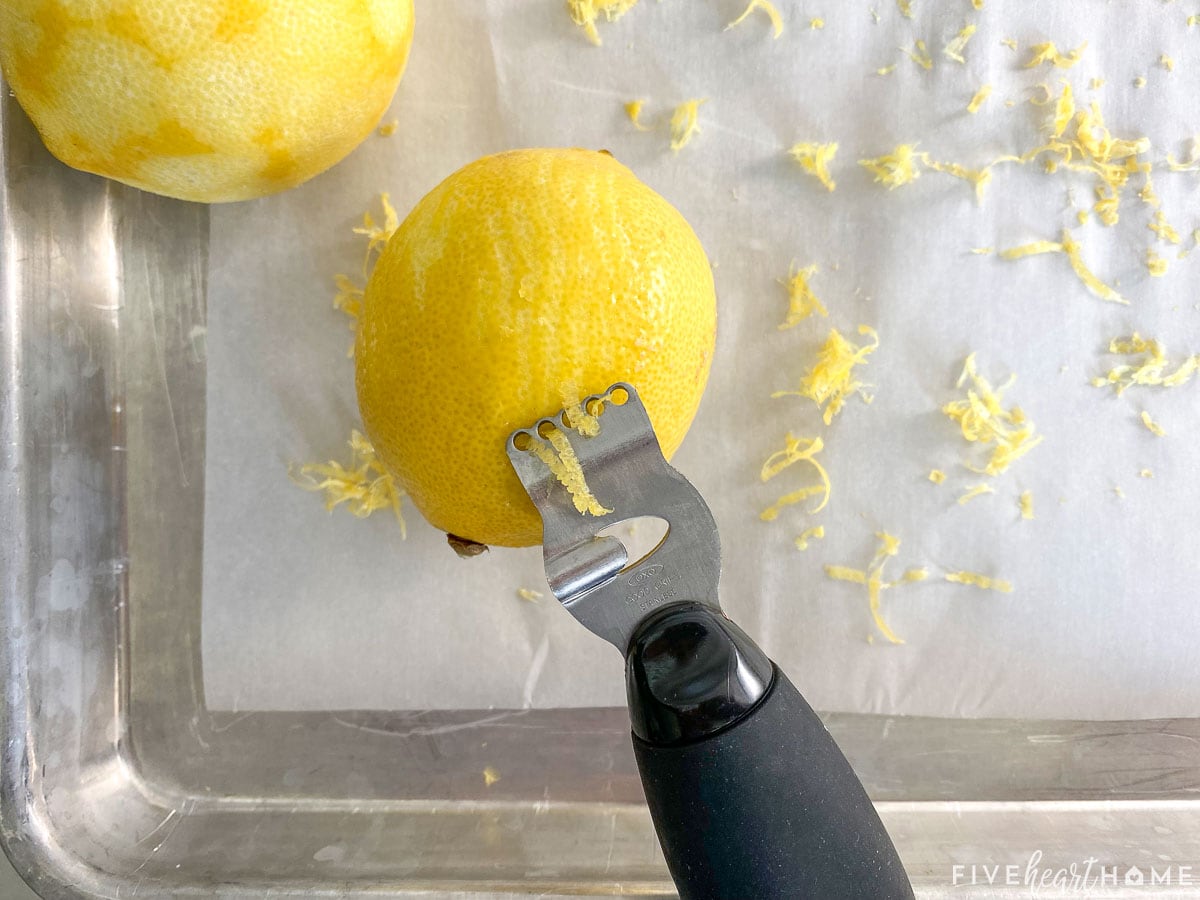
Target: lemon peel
pixel 1071 248
pixel 1047 52
pixel 920 55
pixel 1064 110
pixel 559 457
pixel 796 450
pixel 1150 368
pixel 633 109
pixel 1026 504
pixel 814 158
pixel 979 99
pixel 816 533
pixel 983 419
pixel 349 296
pixel 585 13
pixel 979 178
pixel 1155 264
pixel 974 492
pixel 872 577
pixel 1191 164
pixel 766 7
pixel 896 168
pixel 1153 427
pixel 980 581
pixel 364 485
pixel 832 379
pixel 1161 227
pixel 685 123
pixel 802 302
pixel 954 49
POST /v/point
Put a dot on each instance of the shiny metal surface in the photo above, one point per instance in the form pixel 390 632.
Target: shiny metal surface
pixel 625 470
pixel 117 781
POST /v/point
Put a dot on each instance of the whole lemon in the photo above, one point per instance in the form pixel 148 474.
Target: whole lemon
pixel 523 281
pixel 207 100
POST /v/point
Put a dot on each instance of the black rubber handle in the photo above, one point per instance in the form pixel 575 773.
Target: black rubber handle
pixel 764 807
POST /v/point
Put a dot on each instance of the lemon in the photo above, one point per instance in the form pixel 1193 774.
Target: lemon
pixel 521 283
pixel 207 100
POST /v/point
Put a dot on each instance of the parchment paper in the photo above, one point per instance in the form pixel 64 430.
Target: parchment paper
pixel 307 610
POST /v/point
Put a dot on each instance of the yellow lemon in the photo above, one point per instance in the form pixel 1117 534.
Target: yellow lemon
pixel 207 100
pixel 521 283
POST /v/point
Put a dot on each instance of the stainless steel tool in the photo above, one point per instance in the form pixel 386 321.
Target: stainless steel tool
pixel 750 796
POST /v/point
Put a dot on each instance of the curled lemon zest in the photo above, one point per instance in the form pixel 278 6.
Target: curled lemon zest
pixel 1191 163
pixel 365 485
pixel 954 49
pixel 802 302
pixel 685 123
pixel 896 168
pixel 377 235
pixel 979 99
pixel 814 159
pixel 767 7
pixel 584 13
pixel 1149 368
pixel 983 419
pixel 796 450
pixel 872 577
pixel 980 581
pixel 1071 248
pixel 975 492
pixel 816 533
pixel 831 381
pixel 1047 52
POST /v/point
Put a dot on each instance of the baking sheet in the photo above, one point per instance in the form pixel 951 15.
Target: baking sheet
pixel 306 610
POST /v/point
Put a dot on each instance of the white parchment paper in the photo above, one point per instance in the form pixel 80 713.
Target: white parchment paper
pixel 306 610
